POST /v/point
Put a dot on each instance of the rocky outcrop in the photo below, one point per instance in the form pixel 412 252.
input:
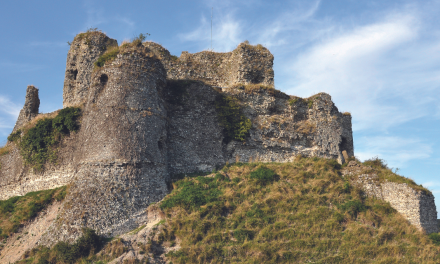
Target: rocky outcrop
pixel 84 50
pixel 417 206
pixel 30 108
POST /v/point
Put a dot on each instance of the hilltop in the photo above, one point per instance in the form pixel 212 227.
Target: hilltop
pixel 138 123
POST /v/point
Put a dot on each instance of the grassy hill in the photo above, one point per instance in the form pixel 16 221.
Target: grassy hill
pixel 299 212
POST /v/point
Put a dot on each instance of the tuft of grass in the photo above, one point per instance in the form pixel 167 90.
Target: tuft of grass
pixel 137 41
pixel 107 57
pixel 5 150
pixel 17 210
pixel 263 175
pixel 235 125
pixel 347 113
pixel 259 88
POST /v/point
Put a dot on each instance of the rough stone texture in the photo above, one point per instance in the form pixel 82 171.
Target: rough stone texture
pixel 84 51
pixel 17 179
pixel 121 161
pixel 138 129
pixel 30 108
pixel 416 206
pixel 282 130
pixel 246 64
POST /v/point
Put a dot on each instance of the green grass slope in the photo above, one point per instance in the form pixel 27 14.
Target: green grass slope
pixel 299 212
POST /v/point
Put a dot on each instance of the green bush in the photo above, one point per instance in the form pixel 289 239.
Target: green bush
pixel 14 136
pixel 263 175
pixel 435 237
pixel 376 162
pixel 66 120
pixel 36 144
pixel 89 243
pixel 235 125
pixel 243 234
pixel 191 194
pixel 353 207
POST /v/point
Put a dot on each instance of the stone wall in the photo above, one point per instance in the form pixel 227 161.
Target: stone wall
pixel 84 50
pixel 416 206
pixel 246 64
pixel 30 108
pixel 147 116
pixel 121 157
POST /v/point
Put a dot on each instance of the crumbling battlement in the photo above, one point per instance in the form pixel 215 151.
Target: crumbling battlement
pixel 246 64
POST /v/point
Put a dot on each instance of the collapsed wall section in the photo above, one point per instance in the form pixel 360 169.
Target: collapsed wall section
pixel 417 206
pixel 246 64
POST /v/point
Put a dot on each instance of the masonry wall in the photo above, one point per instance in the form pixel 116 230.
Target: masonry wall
pixel 84 50
pixel 246 64
pixel 416 206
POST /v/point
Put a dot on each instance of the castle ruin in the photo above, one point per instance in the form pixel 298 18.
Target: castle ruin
pixel 148 115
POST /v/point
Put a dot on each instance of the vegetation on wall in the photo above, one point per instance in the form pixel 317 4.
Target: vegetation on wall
pixel 112 51
pixel 385 173
pixel 108 56
pixel 37 144
pixel 17 210
pixel 235 125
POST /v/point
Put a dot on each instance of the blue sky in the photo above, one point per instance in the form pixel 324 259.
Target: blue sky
pixel 379 60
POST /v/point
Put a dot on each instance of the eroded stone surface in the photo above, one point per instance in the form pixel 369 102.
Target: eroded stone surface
pixel 30 108
pixel 84 51
pixel 416 206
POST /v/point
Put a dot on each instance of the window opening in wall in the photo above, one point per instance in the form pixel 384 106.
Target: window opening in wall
pixel 103 79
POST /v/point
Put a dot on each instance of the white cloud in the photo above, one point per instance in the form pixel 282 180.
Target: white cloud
pixel 226 34
pixel 397 151
pixel 8 115
pixel 8 107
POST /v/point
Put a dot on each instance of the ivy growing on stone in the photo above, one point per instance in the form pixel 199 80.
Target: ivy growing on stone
pixel 235 125
pixel 37 143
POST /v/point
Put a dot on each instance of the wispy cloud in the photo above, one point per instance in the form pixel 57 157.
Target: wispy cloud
pixel 397 151
pixel 8 115
pixel 227 33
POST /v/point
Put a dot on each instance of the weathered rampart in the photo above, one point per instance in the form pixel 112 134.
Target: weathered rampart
pixel 246 64
pixel 416 206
